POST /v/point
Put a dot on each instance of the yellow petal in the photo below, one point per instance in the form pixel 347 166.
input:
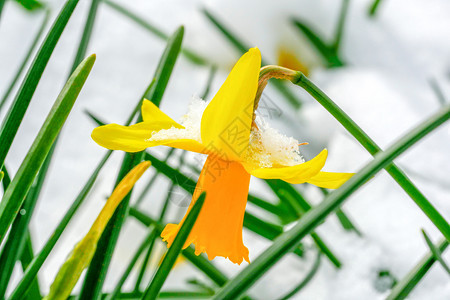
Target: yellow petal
pixel 218 229
pixel 295 174
pixel 151 113
pixel 330 180
pixel 136 137
pixel 226 122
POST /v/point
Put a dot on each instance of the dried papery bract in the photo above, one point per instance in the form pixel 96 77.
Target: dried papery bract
pixel 81 255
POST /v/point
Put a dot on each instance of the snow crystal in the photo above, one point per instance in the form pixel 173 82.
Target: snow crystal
pixel 268 147
pixel 190 121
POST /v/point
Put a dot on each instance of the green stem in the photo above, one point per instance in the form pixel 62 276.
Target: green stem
pixel 399 176
pixel 316 216
pixel 374 8
pixel 402 289
pixel 26 58
pixel 340 25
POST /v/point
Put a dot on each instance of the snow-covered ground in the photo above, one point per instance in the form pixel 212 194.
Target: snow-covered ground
pixel 384 87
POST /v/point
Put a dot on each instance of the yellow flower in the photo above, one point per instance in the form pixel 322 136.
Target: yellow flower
pixel 235 150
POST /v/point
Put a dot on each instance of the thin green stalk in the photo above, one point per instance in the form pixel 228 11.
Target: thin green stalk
pixel 200 262
pixel 345 221
pixel 26 58
pixel 438 92
pixel 212 73
pixel 26 257
pixel 161 220
pixel 402 289
pixel 150 248
pixel 374 8
pixel 20 185
pixel 174 251
pixel 2 3
pixel 14 245
pixel 189 54
pixel 314 217
pixel 306 280
pixel 96 274
pixel 340 25
pixel 14 117
pixel 316 238
pixel 87 33
pixel 241 47
pixel 145 261
pixel 327 52
pixel 267 230
pixel 37 262
pixel 399 176
pixel 145 243
pixel 281 211
pixel 152 180
pixel 437 254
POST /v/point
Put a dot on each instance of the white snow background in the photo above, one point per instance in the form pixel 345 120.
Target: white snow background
pixel 384 87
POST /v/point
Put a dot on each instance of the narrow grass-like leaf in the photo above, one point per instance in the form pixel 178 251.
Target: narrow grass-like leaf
pixel 26 58
pixel 160 219
pixel 83 252
pixel 2 3
pixel 33 268
pixel 212 73
pixel 87 33
pixel 316 238
pixel 396 173
pixel 15 243
pixel 314 217
pixel 152 180
pixel 20 104
pixel 200 262
pixel 98 268
pixel 96 274
pixel 31 5
pixel 345 221
pixel 26 257
pixel 280 210
pixel 241 47
pixel 435 251
pixel 184 295
pixel 145 243
pixel 17 190
pixel 327 52
pixel 266 230
pixel 306 280
pixel 165 66
pixel 189 54
pixel 438 92
pixel 340 25
pixel 402 289
pixel 174 250
pixel 374 7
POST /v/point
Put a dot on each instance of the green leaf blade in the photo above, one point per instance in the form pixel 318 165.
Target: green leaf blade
pixel 174 250
pixel 17 111
pixel 29 168
pixel 314 217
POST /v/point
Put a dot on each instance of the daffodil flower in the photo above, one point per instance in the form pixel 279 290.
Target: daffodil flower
pixel 223 130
